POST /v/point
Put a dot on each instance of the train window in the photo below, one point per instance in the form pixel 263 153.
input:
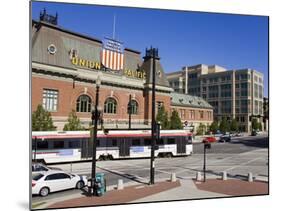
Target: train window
pixel 58 144
pixel 136 142
pixel 171 141
pixel 74 144
pixel 42 145
pixel 189 139
pixel 114 142
pixel 147 142
pixel 160 141
pixel 98 143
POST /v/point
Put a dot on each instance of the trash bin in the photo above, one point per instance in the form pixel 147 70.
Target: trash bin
pixel 100 184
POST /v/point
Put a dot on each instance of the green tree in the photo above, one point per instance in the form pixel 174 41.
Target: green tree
pixel 255 124
pixel 234 125
pixel 214 126
pixel 42 120
pixel 201 129
pixel 260 126
pixel 162 117
pixel 224 125
pixel 73 122
pixel 175 121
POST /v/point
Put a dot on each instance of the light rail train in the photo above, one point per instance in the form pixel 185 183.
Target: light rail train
pixel 71 146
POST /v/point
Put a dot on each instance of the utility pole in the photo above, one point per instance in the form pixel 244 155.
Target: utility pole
pixel 153 128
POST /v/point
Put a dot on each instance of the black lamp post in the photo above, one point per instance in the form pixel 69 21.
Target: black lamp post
pixel 95 117
pixel 153 122
pixel 130 110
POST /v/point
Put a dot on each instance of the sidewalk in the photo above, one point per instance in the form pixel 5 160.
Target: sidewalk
pixel 183 189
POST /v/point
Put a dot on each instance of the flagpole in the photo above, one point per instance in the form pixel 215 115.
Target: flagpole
pixel 114 27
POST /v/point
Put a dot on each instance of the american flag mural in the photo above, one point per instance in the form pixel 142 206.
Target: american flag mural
pixel 112 55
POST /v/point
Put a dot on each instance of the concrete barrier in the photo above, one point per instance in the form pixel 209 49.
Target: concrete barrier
pixel 250 177
pixel 173 177
pixel 224 175
pixel 198 176
pixel 120 185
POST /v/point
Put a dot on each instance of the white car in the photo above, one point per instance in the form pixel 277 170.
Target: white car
pixel 52 181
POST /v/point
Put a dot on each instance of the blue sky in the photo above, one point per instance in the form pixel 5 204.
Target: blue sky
pixel 183 38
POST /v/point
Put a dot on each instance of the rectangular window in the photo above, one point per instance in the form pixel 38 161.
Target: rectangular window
pixel 256 107
pixel 256 78
pixel 256 90
pixel 159 105
pixel 147 142
pixel 50 99
pixel 42 144
pixel 260 92
pixel 201 114
pixel 98 143
pixel 58 144
pixel 171 141
pixel 160 141
pixel 74 144
pixel 114 142
pixel 192 114
pixel 135 142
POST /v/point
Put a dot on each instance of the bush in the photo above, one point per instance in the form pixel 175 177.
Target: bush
pixel 42 120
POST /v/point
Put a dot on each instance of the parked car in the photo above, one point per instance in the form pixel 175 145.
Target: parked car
pixel 217 136
pixel 225 137
pixel 39 167
pixel 209 139
pixel 52 181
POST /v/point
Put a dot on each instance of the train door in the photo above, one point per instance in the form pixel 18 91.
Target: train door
pixel 86 148
pixel 181 145
pixel 124 147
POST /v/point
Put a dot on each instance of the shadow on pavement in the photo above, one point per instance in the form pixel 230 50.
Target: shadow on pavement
pixel 258 143
pixel 127 176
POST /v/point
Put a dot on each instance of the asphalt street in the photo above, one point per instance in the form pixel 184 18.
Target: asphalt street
pixel 238 157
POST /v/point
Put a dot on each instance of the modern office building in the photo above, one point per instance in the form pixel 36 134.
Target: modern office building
pixel 232 93
pixel 66 66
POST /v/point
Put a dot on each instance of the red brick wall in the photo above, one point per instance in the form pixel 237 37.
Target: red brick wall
pixel 187 115
pixel 69 94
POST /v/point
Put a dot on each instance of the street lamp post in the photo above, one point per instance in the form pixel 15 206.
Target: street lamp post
pixel 153 123
pixel 130 110
pixel 95 117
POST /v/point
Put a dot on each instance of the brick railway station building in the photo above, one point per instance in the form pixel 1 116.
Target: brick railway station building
pixel 65 68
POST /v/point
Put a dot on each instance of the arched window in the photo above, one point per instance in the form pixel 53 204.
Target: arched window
pixel 83 103
pixel 134 107
pixel 110 106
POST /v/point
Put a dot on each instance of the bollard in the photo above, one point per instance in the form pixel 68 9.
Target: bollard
pixel 120 185
pixel 173 177
pixel 250 177
pixel 224 175
pixel 198 176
